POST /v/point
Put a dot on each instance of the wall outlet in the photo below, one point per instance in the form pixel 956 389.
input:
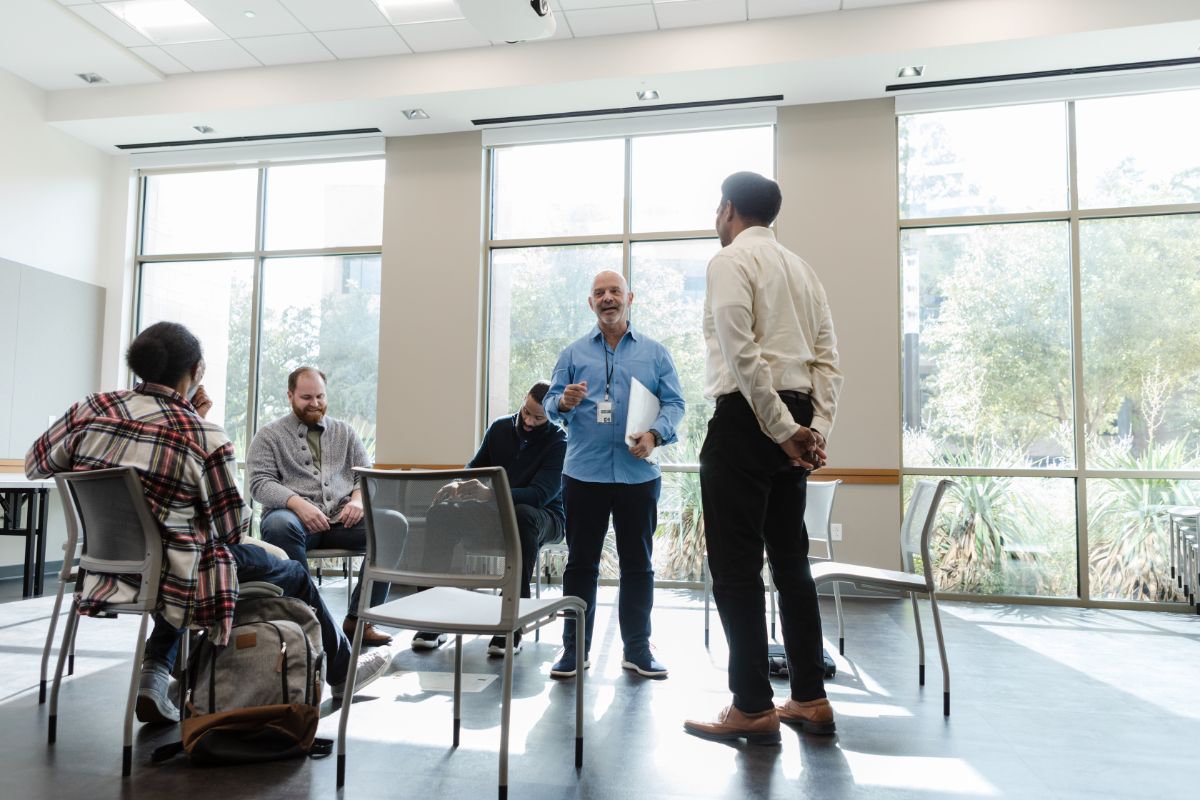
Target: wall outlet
pixel 835 531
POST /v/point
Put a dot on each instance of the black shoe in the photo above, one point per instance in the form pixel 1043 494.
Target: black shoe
pixel 496 646
pixel 428 640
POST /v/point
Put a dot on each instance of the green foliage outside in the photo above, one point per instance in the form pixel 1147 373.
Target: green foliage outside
pixel 996 389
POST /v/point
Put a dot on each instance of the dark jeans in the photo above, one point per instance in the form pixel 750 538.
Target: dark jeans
pixel 256 564
pixel 537 527
pixel 753 498
pixel 634 510
pixel 284 529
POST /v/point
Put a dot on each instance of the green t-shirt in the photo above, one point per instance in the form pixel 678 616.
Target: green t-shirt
pixel 314 445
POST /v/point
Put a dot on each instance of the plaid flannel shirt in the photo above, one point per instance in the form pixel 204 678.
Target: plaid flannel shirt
pixel 189 474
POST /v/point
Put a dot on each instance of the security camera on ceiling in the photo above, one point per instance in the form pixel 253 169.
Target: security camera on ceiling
pixel 509 20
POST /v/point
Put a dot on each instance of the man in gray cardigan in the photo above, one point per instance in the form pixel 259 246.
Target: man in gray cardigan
pixel 301 473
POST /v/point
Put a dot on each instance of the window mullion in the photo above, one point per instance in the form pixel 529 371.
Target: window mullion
pixel 1080 400
pixel 256 308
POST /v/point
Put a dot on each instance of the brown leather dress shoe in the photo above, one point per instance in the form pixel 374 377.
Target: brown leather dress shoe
pixel 732 724
pixel 813 716
pixel 372 636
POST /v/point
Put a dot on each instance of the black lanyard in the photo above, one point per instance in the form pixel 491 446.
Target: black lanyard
pixel 608 368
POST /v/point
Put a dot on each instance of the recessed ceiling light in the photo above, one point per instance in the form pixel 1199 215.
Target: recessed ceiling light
pixel 407 12
pixel 910 72
pixel 165 21
pixel 648 94
pixel 202 129
pixel 250 15
pixel 415 113
pixel 91 77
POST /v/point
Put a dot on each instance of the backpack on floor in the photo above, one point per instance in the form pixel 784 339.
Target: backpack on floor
pixel 258 698
pixel 778 665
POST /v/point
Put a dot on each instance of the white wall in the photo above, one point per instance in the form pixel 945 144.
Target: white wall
pixel 64 210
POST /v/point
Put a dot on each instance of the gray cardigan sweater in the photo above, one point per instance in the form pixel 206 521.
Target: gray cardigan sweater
pixel 280 464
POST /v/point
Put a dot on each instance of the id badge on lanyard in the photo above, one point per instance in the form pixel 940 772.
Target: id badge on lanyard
pixel 604 409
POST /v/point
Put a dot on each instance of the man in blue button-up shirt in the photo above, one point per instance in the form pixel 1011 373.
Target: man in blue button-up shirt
pixel 603 475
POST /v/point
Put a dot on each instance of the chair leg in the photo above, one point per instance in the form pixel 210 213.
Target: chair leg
pixel 349 583
pixel 506 711
pixel 458 682
pixel 139 651
pixel 67 643
pixel 937 628
pixel 537 589
pixel 707 595
pixel 347 701
pixel 920 639
pixel 579 670
pixel 50 642
pixel 837 602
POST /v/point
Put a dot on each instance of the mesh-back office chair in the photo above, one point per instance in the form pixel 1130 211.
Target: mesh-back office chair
pixel 118 536
pixel 818 511
pixel 453 549
pixel 914 542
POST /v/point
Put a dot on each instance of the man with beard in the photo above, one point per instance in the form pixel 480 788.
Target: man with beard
pixel 531 449
pixel 301 472
pixel 603 477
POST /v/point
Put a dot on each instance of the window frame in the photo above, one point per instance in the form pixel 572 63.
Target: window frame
pixel 257 256
pixel 1080 472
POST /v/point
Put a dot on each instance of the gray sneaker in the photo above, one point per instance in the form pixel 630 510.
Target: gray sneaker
pixel 154 704
pixel 371 665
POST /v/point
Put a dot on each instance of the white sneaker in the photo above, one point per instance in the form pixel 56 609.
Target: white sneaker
pixel 496 647
pixel 371 665
pixel 428 640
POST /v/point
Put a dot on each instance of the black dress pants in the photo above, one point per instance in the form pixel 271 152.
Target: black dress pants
pixel 753 498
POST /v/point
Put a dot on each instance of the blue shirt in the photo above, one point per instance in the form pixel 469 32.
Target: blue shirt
pixel 596 452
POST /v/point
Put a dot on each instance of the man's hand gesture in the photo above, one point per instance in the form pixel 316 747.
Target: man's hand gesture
pixel 572 395
pixel 806 448
pixel 351 513
pixel 311 517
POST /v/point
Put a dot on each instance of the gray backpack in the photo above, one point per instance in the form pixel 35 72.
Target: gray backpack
pixel 258 698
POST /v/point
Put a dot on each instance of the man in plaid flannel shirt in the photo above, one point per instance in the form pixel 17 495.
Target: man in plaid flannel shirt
pixel 189 473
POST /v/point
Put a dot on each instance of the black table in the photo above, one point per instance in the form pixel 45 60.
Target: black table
pixel 23 505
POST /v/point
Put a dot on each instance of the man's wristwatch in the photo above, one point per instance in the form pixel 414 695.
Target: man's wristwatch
pixel 657 437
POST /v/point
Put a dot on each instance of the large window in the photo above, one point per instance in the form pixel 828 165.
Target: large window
pixel 643 206
pixel 272 268
pixel 1050 265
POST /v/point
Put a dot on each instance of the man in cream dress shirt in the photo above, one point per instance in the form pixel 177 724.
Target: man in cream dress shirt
pixel 772 368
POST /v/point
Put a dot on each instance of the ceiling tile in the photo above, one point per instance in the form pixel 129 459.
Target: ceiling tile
pixel 73 2
pixel 406 12
pixel 336 15
pixel 159 59
pixel 688 13
pixel 575 5
pixel 761 9
pixel 291 48
pixel 365 43
pixel 452 35
pixel 851 4
pixel 270 18
pixel 205 56
pixel 110 26
pixel 605 21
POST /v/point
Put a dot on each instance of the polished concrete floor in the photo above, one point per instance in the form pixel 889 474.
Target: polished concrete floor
pixel 1048 703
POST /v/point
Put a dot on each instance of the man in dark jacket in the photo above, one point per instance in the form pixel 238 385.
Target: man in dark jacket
pixel 531 450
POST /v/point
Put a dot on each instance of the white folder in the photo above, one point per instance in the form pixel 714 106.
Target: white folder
pixel 643 411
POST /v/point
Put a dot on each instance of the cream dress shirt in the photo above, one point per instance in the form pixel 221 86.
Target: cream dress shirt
pixel 767 328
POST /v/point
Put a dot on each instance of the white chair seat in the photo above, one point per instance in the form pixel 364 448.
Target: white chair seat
pixel 452 610
pixel 875 576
